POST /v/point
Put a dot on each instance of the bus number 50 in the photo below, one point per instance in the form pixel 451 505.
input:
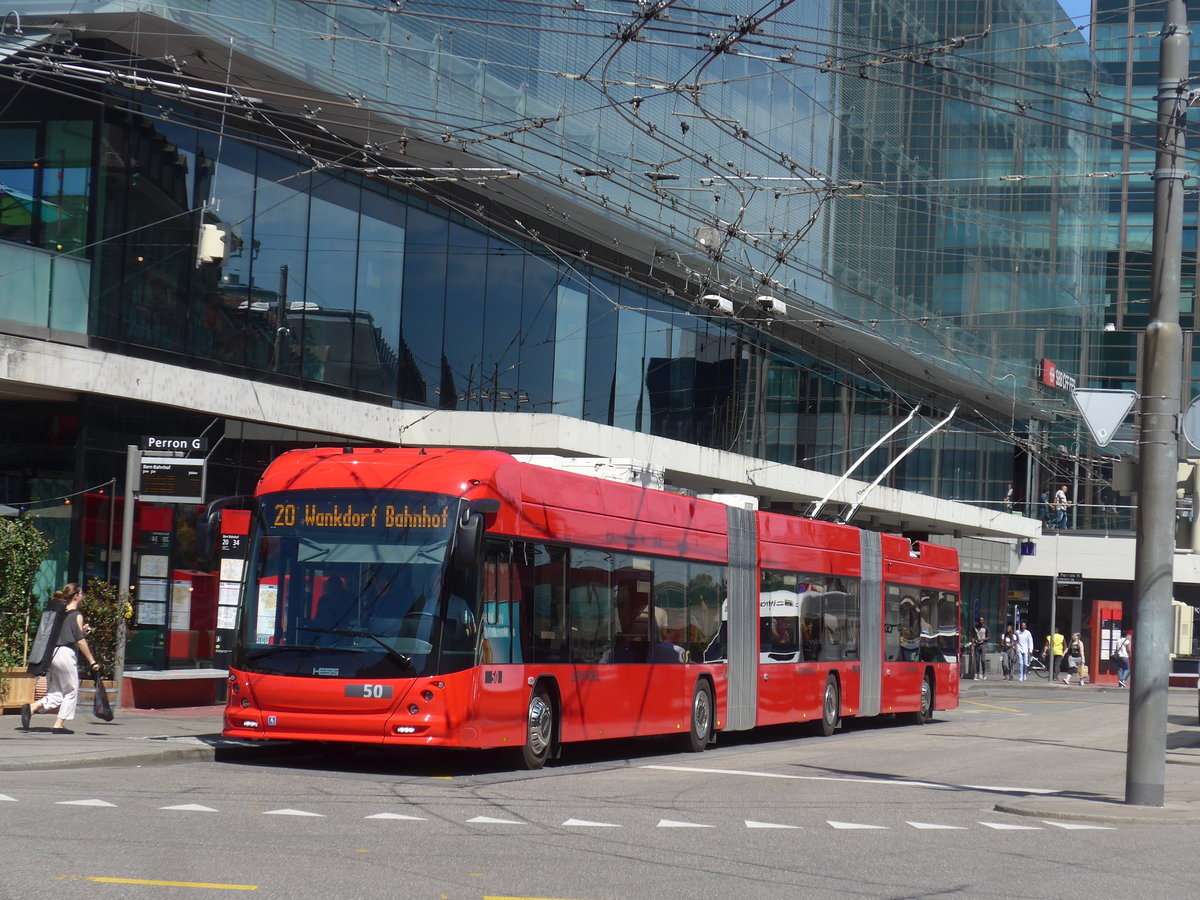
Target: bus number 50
pixel 369 691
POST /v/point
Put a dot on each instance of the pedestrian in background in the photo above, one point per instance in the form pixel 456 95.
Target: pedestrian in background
pixel 1122 653
pixel 62 681
pixel 978 647
pixel 1024 650
pixel 1074 659
pixel 1008 652
pixel 1060 508
pixel 1053 651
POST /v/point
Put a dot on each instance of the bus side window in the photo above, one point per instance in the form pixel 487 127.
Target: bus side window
pixel 891 624
pixel 497 609
pixel 811 626
pixel 546 598
pixel 590 606
pixel 632 581
pixel 947 626
pixel 928 623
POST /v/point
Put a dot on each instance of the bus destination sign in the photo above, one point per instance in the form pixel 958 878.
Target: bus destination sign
pixel 350 515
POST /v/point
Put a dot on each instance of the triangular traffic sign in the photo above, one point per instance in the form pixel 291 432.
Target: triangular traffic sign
pixel 1103 411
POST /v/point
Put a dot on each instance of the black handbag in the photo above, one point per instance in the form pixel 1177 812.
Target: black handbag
pixel 101 708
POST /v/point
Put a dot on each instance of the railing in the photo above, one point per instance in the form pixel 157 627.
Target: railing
pixel 44 291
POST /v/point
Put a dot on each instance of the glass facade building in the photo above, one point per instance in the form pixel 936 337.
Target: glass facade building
pixel 772 231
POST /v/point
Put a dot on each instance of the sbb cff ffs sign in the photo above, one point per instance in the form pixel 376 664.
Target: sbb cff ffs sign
pixel 1052 376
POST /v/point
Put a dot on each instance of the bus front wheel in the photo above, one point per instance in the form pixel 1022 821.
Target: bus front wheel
pixel 539 729
pixel 831 707
pixel 700 733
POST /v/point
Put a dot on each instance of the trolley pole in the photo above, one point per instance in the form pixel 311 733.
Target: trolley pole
pixel 1162 369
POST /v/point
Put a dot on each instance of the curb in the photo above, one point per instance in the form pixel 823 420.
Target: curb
pixel 138 758
pixel 1172 814
pixel 173 751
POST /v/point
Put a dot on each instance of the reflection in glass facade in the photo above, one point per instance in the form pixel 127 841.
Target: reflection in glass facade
pixel 518 208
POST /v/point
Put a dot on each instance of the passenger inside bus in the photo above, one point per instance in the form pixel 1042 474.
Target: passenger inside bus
pixel 337 606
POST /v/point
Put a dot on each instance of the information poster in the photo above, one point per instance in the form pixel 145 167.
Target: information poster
pixel 181 606
pixel 268 599
pixel 152 566
pixel 232 569
pixel 229 593
pixel 151 613
pixel 153 590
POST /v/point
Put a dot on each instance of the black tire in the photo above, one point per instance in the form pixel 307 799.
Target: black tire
pixel 924 715
pixel 539 729
pixel 701 730
pixel 831 706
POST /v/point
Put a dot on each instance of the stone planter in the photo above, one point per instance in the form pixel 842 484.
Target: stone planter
pixel 19 688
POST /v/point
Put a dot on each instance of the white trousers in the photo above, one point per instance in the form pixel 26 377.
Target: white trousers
pixel 62 683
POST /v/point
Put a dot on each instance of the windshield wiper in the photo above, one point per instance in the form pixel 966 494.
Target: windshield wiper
pixel 392 653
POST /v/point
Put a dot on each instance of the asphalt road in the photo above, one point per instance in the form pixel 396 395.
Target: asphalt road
pixel 878 810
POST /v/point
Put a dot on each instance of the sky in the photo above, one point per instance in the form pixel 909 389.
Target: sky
pixel 1077 9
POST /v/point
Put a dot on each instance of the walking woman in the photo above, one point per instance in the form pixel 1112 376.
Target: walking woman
pixel 62 681
pixel 1073 658
pixel 1122 653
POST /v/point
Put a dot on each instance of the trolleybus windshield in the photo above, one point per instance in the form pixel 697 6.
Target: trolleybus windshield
pixel 349 584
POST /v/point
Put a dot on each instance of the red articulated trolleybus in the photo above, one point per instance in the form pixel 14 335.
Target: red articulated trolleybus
pixel 463 599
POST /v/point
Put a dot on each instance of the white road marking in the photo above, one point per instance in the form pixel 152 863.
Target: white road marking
pixel 1079 826
pixel 750 824
pixel 397 816
pixel 931 826
pixel 1010 790
pixel 584 823
pixel 292 812
pixel 845 778
pixel 1005 826
pixel 84 803
pixel 671 823
pixel 190 807
pixel 6 797
pixel 488 820
pixel 855 826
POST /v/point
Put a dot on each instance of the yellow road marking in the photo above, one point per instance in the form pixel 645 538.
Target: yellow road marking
pixel 990 706
pixel 213 886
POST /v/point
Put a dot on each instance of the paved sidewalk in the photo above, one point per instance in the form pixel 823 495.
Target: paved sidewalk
pixel 133 737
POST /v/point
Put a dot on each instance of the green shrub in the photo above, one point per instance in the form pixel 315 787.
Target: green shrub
pixel 23 548
pixel 104 612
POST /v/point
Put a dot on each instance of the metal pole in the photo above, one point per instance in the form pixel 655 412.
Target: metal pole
pixel 1075 483
pixel 133 459
pixel 1162 369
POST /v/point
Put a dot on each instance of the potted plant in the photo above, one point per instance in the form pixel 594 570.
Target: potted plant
pixel 23 548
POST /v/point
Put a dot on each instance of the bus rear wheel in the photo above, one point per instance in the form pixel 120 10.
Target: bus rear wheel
pixel 831 706
pixel 924 715
pixel 539 730
pixel 700 733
